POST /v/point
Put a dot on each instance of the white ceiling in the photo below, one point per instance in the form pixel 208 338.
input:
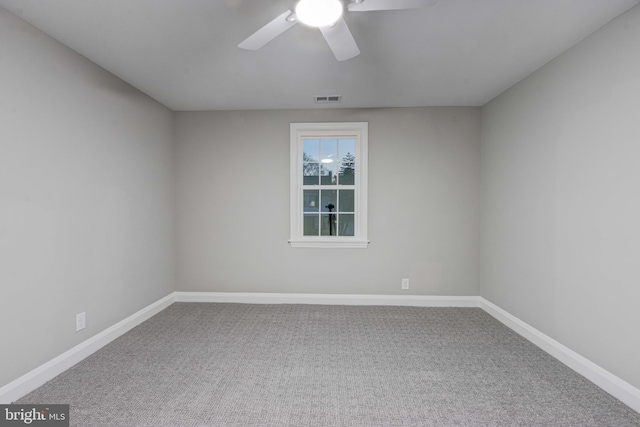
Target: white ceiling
pixel 184 53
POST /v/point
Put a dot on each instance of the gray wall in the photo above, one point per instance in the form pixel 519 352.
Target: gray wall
pixel 560 197
pixel 232 181
pixel 86 198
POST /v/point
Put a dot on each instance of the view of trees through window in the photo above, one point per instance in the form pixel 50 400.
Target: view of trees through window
pixel 328 186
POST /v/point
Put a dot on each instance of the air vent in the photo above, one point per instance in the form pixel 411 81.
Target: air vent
pixel 327 99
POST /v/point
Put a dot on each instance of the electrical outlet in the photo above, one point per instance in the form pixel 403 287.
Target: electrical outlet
pixel 80 321
pixel 405 283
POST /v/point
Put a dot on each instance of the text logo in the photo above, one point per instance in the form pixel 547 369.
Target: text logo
pixel 34 415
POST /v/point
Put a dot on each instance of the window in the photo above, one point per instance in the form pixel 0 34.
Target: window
pixel 329 185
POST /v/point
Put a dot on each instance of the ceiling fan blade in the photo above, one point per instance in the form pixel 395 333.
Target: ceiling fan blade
pixel 340 40
pixel 269 32
pixel 370 5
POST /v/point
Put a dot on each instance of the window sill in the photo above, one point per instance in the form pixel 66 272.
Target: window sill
pixel 330 243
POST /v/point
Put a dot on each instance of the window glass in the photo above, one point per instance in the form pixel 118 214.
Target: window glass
pixel 346 174
pixel 311 173
pixel 345 225
pixel 329 185
pixel 310 201
pixel 311 225
pixel 329 200
pixel 347 149
pixel 329 150
pixel 328 174
pixel 345 203
pixel 328 224
pixel 311 149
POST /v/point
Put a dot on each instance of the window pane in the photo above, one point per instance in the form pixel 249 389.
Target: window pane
pixel 310 150
pixel 311 225
pixel 329 200
pixel 328 174
pixel 311 173
pixel 310 202
pixel 328 184
pixel 347 150
pixel 346 225
pixel 329 150
pixel 347 174
pixel 346 201
pixel 328 223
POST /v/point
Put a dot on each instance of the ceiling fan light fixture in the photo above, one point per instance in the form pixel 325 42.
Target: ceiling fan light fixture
pixel 319 13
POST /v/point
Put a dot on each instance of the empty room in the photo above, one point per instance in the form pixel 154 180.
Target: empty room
pixel 373 213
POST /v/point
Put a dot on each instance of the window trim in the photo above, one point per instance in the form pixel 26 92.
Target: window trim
pixel 298 131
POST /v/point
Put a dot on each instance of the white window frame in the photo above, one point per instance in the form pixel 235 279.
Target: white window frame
pixel 299 131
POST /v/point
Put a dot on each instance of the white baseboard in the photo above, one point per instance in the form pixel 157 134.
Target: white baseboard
pixel 615 386
pixel 328 299
pixel 604 379
pixel 37 377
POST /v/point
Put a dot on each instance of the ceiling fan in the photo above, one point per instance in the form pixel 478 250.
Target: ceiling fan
pixel 326 15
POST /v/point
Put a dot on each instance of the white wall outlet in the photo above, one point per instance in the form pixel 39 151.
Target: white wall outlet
pixel 80 321
pixel 405 283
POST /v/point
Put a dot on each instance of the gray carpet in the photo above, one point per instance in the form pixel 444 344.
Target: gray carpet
pixel 309 365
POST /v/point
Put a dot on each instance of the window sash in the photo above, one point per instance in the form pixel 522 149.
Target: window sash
pixel 322 131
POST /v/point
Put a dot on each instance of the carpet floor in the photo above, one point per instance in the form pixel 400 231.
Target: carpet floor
pixel 201 364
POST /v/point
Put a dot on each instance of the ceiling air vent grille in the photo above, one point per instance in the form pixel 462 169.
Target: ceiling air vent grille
pixel 327 99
